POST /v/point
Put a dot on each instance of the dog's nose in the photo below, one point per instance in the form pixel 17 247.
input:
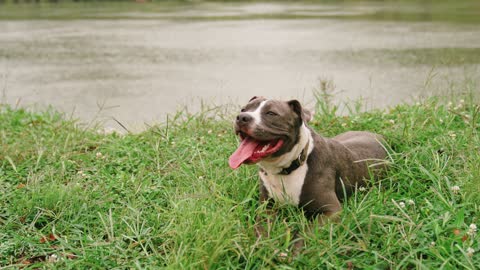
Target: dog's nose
pixel 244 118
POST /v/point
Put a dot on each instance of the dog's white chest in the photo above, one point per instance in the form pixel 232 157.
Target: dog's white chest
pixel 285 188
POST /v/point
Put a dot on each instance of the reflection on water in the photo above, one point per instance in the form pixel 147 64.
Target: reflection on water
pixel 144 68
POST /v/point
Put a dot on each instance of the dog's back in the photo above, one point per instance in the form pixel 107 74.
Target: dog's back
pixel 362 155
pixel 364 145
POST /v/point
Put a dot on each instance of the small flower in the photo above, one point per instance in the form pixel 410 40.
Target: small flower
pixel 362 189
pixel 432 244
pixel 455 189
pixel 344 124
pixel 401 204
pixel 52 258
pixel 459 105
pixel 410 202
pixel 472 229
pixel 81 173
pixel 440 120
pixel 209 131
pixel 452 135
pixel 470 252
pixel 99 155
pixel 391 121
pixel 449 104
pixel 200 178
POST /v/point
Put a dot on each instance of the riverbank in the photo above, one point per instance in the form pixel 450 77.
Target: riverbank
pixel 465 11
pixel 76 198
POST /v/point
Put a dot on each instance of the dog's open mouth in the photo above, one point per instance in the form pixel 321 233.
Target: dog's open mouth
pixel 252 151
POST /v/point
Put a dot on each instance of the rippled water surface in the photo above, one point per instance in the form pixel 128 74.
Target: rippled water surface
pixel 140 64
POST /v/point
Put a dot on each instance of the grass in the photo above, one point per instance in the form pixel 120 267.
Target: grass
pixel 464 11
pixel 431 57
pixel 73 198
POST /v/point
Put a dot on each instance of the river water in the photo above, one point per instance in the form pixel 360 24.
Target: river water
pixel 143 66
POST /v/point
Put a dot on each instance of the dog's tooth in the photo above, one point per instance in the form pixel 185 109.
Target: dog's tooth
pixel 265 148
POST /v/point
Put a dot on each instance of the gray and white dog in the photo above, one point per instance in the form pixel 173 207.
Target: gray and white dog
pixel 298 166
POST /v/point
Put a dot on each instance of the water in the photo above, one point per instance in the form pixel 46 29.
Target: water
pixel 139 66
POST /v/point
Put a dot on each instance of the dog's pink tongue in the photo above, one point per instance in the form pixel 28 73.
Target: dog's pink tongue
pixel 244 151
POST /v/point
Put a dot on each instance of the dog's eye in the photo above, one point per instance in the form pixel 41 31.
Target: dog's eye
pixel 272 113
pixel 242 110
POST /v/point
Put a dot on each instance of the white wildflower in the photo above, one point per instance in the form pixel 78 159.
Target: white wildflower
pixel 200 178
pixel 452 135
pixel 362 189
pixel 344 124
pixel 391 121
pixel 432 244
pixel 52 258
pixel 455 189
pixel 472 229
pixel 401 204
pixel 460 104
pixel 470 251
pixel 410 202
pixel 99 155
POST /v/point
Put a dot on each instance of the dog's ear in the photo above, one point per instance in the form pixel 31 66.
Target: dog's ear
pixel 304 114
pixel 307 115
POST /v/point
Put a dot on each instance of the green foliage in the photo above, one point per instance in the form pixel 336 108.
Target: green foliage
pixel 166 197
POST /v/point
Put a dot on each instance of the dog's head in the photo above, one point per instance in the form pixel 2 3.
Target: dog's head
pixel 267 129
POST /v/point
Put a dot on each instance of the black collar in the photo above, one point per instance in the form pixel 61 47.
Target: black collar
pixel 297 162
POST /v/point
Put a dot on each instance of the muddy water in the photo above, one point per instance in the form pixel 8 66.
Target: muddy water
pixel 146 65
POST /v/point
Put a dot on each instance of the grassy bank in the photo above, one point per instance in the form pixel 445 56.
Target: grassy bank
pixel 459 11
pixel 75 198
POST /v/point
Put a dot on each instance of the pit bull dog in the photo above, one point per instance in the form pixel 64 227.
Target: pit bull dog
pixel 298 166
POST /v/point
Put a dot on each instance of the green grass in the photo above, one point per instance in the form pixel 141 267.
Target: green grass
pixel 451 11
pixel 432 57
pixel 167 198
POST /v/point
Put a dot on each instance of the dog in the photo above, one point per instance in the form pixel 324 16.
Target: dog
pixel 296 165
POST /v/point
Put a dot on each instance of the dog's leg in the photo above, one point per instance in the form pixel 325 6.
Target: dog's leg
pixel 327 217
pixel 331 214
pixel 261 221
pixel 320 221
pixel 260 230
